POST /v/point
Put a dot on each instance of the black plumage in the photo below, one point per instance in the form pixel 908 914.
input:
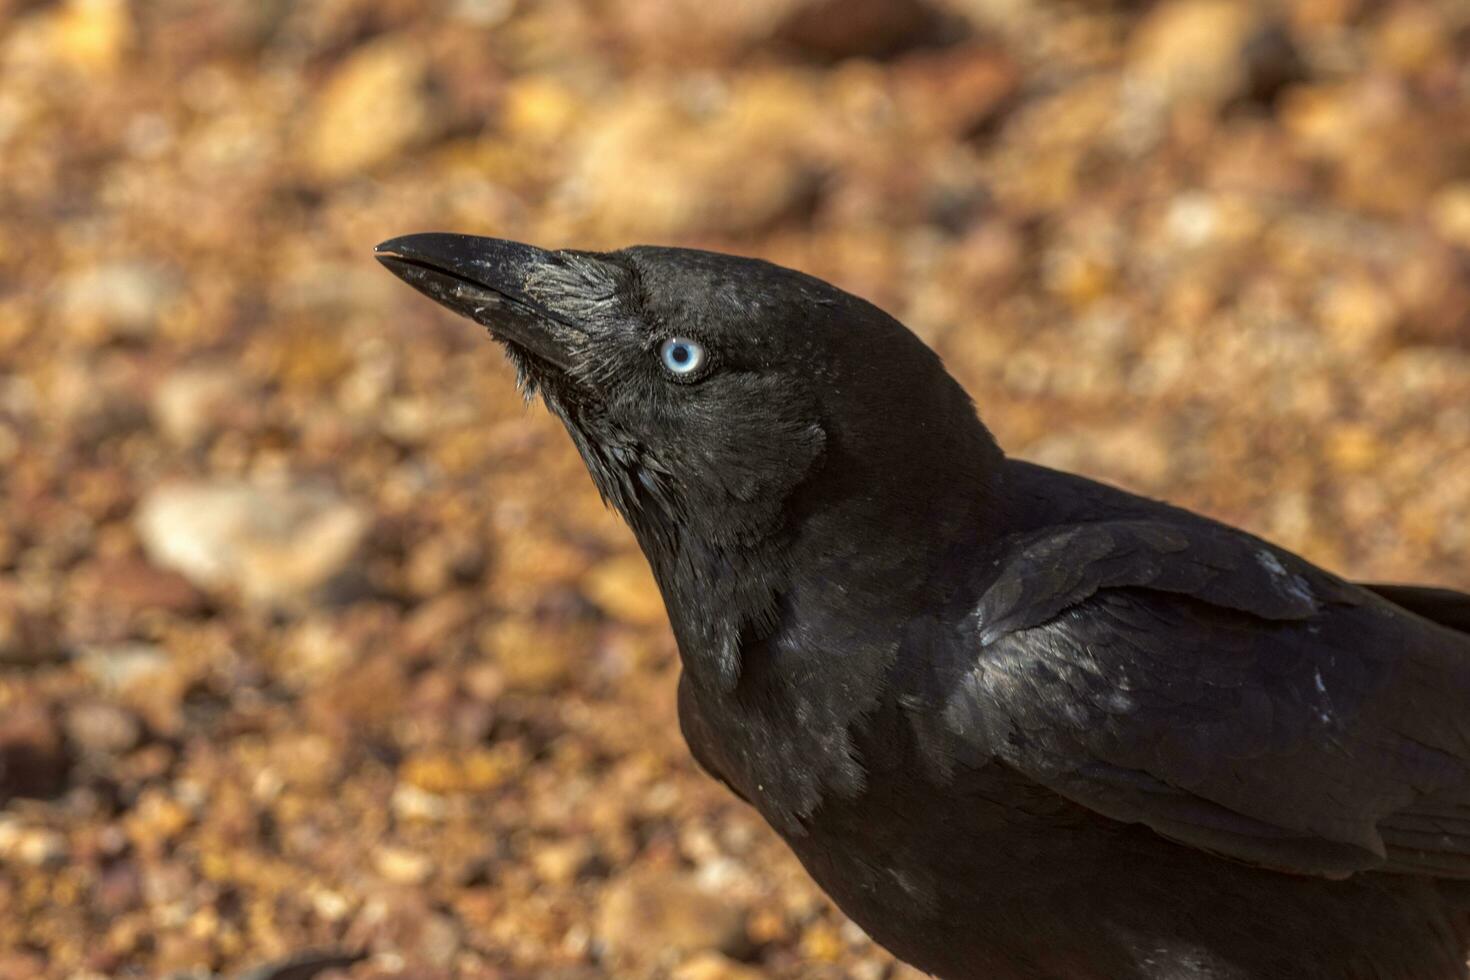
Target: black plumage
pixel 1016 723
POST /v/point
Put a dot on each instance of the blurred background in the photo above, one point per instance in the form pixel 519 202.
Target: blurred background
pixel 313 637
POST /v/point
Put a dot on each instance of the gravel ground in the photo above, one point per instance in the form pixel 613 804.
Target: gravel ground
pixel 314 638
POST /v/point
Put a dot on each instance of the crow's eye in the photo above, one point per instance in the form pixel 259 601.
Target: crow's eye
pixel 681 355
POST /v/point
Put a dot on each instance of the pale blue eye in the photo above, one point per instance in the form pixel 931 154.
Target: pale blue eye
pixel 681 355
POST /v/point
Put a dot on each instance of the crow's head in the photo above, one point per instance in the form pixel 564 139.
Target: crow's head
pixel 718 397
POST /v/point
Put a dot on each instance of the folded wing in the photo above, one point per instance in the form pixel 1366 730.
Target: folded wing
pixel 1227 694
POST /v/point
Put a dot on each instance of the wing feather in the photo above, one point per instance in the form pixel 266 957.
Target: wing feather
pixel 1226 693
pixel 1443 606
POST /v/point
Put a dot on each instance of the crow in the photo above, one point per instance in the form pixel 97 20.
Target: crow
pixel 1016 723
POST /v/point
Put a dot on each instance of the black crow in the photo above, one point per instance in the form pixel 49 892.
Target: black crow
pixel 1016 723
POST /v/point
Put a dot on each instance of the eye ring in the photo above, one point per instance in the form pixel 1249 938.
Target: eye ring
pixel 681 356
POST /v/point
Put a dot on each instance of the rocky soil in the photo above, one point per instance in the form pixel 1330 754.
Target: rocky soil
pixel 317 650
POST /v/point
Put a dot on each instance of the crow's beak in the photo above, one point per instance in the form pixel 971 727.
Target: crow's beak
pixel 492 282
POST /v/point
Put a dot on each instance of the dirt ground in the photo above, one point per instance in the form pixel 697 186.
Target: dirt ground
pixel 313 637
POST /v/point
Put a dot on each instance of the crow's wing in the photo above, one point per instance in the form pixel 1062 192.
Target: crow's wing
pixel 1443 606
pixel 1225 693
